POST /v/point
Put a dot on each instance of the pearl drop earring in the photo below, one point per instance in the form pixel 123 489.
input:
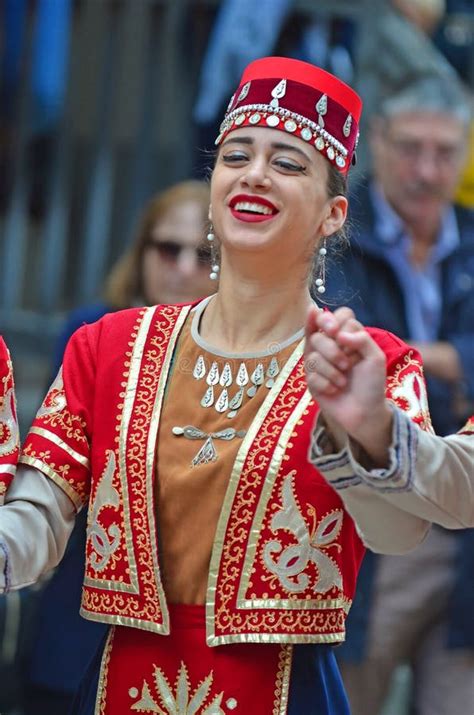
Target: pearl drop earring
pixel 215 267
pixel 321 279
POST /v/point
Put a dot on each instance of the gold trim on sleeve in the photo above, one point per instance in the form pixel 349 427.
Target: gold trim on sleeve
pixel 62 483
pixel 52 437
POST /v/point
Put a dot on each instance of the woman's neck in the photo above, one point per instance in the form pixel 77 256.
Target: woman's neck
pixel 248 315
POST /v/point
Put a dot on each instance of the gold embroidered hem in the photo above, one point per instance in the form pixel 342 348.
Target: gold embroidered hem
pixel 181 675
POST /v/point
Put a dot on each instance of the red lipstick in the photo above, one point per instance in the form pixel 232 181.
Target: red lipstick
pixel 252 209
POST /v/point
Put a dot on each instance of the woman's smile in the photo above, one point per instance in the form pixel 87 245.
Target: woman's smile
pixel 252 208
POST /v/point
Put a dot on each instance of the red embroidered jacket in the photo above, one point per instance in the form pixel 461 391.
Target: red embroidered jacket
pixel 9 436
pixel 286 554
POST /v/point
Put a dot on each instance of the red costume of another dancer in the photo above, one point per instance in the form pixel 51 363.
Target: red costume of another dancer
pixel 9 435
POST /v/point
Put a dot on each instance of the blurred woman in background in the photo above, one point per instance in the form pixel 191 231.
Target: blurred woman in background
pixel 167 262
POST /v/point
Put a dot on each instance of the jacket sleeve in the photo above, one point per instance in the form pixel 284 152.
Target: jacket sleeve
pixel 54 483
pixel 35 524
pixel 384 525
pixel 58 443
pixel 428 476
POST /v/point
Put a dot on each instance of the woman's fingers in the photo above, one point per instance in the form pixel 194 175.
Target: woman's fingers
pixel 320 386
pixel 331 323
pixel 335 342
pixel 327 363
pixel 360 342
pixel 328 348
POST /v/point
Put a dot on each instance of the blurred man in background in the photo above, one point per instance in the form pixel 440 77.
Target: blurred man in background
pixel 411 271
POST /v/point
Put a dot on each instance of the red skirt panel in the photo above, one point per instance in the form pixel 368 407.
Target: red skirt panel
pixel 148 673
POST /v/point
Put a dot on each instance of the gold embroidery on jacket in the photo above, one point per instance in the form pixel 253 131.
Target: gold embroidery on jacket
pixel 58 473
pixel 231 616
pixel 144 606
pixel 104 540
pixel 55 400
pixel 53 437
pixel 407 389
pixel 9 435
pixel 54 412
pixel 289 563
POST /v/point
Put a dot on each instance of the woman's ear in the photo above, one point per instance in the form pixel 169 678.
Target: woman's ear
pixel 209 213
pixel 336 216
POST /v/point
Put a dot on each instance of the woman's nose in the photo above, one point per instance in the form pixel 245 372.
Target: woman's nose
pixel 256 174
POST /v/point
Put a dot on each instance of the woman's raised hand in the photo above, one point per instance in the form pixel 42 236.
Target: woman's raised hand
pixel 345 372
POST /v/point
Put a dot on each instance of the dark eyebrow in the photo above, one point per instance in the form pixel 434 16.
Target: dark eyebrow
pixel 290 147
pixel 274 145
pixel 238 140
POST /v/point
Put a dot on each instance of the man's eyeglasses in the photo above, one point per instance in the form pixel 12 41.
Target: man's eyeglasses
pixel 413 151
pixel 171 251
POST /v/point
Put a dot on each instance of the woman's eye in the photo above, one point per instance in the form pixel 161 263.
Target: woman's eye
pixel 288 165
pixel 234 157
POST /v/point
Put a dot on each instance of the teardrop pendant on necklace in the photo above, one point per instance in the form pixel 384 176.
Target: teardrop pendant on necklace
pixel 272 371
pixel 223 401
pixel 257 378
pixel 226 376
pixel 235 403
pixel 213 375
pixel 199 368
pixel 208 399
pixel 242 375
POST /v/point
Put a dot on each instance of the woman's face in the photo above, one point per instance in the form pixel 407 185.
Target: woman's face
pixel 174 267
pixel 269 195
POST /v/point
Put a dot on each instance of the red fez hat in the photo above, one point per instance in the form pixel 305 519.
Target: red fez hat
pixel 300 99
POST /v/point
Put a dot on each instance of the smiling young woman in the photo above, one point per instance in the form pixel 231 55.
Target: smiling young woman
pixel 221 560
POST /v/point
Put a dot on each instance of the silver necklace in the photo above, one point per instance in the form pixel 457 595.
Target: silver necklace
pixel 224 402
pixel 208 452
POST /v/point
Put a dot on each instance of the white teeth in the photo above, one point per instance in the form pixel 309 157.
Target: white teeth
pixel 255 208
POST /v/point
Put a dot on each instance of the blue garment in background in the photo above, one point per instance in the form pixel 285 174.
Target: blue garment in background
pixel 243 31
pixel 49 61
pixel 421 287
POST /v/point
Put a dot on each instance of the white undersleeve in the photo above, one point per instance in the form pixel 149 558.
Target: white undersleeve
pixel 35 524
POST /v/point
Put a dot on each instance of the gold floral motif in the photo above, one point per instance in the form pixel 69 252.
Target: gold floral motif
pixel 179 701
pixel 54 413
pixel 9 434
pixel 406 388
pixel 104 541
pixel 290 563
pixel 124 609
pixel 55 401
